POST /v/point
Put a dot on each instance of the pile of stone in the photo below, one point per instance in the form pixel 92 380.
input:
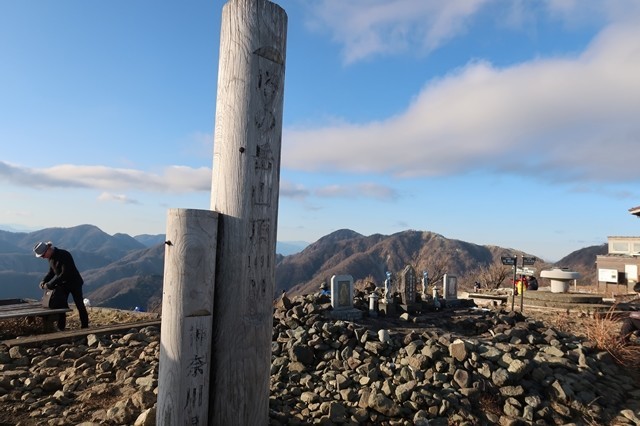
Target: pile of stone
pixel 486 367
pixel 106 380
pixel 471 366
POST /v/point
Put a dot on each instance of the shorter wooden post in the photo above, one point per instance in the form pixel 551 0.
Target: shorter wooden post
pixel 187 309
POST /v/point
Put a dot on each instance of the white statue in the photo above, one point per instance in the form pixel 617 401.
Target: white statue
pixel 425 285
pixel 387 288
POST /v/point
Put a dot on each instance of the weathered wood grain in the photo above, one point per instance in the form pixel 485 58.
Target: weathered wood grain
pixel 245 190
pixel 187 306
pixel 28 309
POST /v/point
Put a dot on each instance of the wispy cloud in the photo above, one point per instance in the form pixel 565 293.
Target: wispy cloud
pixel 293 190
pixel 402 224
pixel 381 27
pixel 362 190
pixel 119 198
pixel 174 179
pixel 580 12
pixel 559 119
pixel 370 28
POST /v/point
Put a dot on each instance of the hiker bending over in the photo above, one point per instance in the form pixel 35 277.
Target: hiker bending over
pixel 63 276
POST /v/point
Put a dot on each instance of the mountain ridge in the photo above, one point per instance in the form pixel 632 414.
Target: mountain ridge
pixel 114 265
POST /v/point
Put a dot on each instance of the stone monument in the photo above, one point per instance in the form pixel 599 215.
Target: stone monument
pixel 449 287
pixel 407 289
pixel 342 298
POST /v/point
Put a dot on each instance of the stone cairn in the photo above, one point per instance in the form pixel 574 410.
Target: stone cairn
pixel 463 367
pixel 479 367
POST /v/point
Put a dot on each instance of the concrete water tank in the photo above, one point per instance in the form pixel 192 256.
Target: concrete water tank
pixel 560 279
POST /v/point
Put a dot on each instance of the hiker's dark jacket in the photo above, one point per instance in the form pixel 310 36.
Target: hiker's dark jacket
pixel 62 271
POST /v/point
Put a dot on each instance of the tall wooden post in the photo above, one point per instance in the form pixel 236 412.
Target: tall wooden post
pixel 245 190
pixel 187 309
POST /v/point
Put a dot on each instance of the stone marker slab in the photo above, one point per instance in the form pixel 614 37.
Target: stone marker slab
pixel 449 287
pixel 407 285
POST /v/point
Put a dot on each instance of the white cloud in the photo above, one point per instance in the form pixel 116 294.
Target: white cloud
pixel 367 190
pixel 188 179
pixel 581 12
pixel 173 179
pixel 370 27
pixel 366 28
pixel 560 119
pixel 291 190
pixel 119 198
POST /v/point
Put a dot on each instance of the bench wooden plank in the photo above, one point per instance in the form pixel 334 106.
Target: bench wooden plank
pixel 43 312
pixel 23 305
pixel 28 309
pixel 13 301
pixel 20 307
pixel 489 296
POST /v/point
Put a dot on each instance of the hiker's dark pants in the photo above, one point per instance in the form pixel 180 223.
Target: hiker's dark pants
pixel 629 326
pixel 78 299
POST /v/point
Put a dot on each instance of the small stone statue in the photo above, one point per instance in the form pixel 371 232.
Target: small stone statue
pixel 436 301
pixel 387 288
pixel 425 285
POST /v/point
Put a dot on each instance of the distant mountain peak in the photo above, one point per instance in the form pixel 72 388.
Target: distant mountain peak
pixel 339 235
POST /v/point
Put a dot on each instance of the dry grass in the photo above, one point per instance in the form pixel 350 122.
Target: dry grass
pixel 488 402
pixel 604 331
pixel 12 328
pixel 567 322
pixel 562 321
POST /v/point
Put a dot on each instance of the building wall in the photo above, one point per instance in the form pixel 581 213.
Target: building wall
pixel 624 245
pixel 623 257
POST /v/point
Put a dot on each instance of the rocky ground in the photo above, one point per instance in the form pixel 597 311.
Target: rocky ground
pixel 452 367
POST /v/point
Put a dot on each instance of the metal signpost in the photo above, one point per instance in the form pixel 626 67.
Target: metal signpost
pixel 525 261
pixel 513 262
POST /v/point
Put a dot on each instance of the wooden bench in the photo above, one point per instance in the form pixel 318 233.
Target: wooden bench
pixel 26 308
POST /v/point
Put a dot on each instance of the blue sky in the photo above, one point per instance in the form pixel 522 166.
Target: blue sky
pixel 500 122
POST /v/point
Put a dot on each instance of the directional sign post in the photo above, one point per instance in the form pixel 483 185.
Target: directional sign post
pixel 519 270
pixel 509 260
pixel 525 271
